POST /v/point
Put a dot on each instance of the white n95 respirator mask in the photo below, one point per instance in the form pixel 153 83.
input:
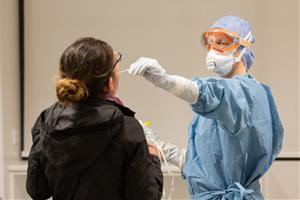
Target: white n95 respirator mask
pixel 220 63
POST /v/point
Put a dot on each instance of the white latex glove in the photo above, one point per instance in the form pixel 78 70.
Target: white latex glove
pixel 143 65
pixel 169 152
pixel 181 87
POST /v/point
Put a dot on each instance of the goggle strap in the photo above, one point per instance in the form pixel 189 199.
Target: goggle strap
pixel 246 41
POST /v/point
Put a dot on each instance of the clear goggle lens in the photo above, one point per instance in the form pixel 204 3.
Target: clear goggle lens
pixel 222 40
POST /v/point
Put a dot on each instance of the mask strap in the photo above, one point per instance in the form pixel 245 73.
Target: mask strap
pixel 239 57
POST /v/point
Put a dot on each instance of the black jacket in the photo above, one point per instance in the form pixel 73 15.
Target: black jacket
pixel 91 150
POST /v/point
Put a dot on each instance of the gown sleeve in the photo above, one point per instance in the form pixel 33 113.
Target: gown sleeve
pixel 225 100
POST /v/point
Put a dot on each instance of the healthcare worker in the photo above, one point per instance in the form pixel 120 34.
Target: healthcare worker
pixel 236 132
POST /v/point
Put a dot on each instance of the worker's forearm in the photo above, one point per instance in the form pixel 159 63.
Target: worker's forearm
pixel 181 87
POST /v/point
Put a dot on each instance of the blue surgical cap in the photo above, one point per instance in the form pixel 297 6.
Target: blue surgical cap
pixel 242 27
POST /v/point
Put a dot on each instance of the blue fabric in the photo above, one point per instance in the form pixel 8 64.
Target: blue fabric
pixel 240 26
pixel 234 137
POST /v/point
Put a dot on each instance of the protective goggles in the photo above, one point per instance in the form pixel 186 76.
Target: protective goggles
pixel 223 40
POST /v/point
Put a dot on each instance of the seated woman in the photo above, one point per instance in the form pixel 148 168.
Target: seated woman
pixel 88 145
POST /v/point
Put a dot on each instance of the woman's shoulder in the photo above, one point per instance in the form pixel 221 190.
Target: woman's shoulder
pixel 133 130
pixel 45 112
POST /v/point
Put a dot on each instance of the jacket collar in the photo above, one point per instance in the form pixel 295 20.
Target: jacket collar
pixel 101 101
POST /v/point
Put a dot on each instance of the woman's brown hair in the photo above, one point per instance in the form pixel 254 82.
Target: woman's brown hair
pixel 85 67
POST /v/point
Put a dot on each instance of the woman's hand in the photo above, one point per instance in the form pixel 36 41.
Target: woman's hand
pixel 154 151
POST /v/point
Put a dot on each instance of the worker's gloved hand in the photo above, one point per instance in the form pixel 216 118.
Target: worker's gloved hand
pixel 145 66
pixel 152 71
pixel 181 87
pixel 170 152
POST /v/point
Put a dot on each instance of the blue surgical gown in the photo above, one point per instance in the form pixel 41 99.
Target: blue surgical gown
pixel 233 139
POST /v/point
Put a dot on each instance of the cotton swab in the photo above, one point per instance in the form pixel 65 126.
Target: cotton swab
pixel 123 71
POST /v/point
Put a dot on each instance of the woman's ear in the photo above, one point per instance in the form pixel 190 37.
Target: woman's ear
pixel 110 85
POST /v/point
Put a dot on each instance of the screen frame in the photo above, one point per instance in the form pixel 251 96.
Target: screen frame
pixel 23 154
pixel 21 16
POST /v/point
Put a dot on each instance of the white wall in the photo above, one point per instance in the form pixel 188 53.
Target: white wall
pixel 1 112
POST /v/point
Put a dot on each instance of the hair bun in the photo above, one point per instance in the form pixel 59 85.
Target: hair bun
pixel 69 91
